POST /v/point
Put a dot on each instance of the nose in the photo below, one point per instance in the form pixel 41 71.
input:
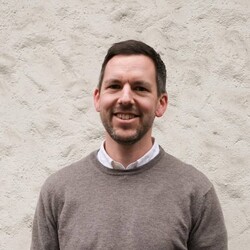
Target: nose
pixel 126 95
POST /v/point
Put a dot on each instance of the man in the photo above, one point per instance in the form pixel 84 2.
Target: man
pixel 130 194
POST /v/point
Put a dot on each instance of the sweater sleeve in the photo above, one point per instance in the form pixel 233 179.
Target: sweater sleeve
pixel 208 231
pixel 44 230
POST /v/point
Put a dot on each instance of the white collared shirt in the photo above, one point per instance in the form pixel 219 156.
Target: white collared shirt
pixel 108 162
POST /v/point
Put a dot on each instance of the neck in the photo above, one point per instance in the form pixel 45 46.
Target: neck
pixel 126 154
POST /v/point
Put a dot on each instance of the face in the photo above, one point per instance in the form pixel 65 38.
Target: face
pixel 128 100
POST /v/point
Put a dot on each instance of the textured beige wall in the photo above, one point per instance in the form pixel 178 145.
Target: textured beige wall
pixel 50 57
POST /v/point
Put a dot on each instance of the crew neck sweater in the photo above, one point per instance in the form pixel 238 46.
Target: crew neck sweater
pixel 108 162
pixel 165 204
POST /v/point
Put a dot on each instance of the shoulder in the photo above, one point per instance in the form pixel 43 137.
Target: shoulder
pixel 184 175
pixel 69 175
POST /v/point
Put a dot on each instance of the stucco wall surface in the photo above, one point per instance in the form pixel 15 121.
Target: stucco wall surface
pixel 50 57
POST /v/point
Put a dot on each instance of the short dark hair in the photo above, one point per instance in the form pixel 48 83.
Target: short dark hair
pixel 133 47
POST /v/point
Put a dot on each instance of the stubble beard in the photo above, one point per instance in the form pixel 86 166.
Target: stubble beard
pixel 126 140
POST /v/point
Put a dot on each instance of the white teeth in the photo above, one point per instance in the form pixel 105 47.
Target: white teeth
pixel 125 116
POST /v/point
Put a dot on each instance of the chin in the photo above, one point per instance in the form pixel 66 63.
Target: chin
pixel 126 140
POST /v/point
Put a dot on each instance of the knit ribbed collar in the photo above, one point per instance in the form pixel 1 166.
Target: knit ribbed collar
pixel 111 171
pixel 108 162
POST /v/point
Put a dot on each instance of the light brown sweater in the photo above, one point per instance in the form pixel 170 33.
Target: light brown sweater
pixel 165 204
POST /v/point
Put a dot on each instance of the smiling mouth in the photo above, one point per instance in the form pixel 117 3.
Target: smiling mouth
pixel 125 116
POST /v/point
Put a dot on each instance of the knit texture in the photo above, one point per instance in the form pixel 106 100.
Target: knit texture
pixel 166 204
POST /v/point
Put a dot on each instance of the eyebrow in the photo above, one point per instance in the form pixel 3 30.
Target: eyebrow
pixel 144 83
pixel 139 82
pixel 111 80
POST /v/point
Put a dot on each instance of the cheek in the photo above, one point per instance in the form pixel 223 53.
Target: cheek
pixel 105 103
pixel 148 106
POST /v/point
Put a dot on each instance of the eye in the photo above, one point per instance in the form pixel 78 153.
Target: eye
pixel 114 86
pixel 140 89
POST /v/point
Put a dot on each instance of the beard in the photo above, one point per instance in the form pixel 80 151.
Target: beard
pixel 129 138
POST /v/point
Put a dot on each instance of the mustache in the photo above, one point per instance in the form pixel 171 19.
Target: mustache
pixel 132 110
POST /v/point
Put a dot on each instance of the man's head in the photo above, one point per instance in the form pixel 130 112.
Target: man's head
pixel 131 92
pixel 133 47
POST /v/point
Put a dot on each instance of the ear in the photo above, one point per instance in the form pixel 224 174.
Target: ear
pixel 97 99
pixel 162 105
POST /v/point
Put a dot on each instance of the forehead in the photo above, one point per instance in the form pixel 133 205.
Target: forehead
pixel 130 64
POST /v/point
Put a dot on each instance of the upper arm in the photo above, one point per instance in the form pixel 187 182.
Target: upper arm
pixel 44 229
pixel 208 230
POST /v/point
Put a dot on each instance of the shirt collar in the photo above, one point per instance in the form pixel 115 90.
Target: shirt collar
pixel 108 162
